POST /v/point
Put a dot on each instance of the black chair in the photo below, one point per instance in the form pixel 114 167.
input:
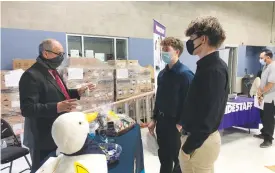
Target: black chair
pixel 13 152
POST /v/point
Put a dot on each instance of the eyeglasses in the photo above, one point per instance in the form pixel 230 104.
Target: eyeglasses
pixel 60 53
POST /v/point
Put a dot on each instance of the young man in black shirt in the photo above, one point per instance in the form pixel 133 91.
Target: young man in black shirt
pixel 173 85
pixel 206 100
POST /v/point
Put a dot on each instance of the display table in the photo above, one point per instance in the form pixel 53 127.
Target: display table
pixel 131 158
pixel 241 113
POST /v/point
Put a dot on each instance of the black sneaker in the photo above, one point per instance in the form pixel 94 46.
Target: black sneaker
pixel 266 144
pixel 260 136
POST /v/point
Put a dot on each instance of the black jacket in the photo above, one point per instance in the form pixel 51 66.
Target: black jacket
pixel 39 95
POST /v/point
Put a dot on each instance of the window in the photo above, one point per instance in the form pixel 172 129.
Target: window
pixel 121 49
pixel 74 43
pixel 102 48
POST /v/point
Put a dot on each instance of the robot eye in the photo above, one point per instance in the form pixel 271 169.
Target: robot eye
pixel 80 123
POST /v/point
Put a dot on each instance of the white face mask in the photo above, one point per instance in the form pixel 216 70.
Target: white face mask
pixel 262 62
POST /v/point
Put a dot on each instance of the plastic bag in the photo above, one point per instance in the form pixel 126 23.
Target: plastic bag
pixel 152 144
pixel 93 126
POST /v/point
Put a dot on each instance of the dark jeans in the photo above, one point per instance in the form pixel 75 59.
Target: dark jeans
pixel 37 157
pixel 168 138
pixel 268 121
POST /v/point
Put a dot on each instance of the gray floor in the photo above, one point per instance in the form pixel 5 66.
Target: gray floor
pixel 240 153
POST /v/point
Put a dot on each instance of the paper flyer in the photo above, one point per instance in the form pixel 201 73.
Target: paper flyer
pixel 256 103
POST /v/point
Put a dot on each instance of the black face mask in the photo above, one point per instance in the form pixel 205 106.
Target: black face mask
pixel 191 47
pixel 53 63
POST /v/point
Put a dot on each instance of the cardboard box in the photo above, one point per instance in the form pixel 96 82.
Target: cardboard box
pixel 101 94
pixel 14 75
pixel 123 63
pixel 10 104
pixel 125 78
pixel 151 68
pixel 130 78
pixel 86 70
pixel 88 73
pixel 23 63
pixel 13 120
pixel 118 63
pixel 85 62
pixel 126 92
pixel 3 73
pixel 132 62
pixel 87 103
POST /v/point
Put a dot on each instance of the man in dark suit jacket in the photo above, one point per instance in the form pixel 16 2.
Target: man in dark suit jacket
pixel 43 97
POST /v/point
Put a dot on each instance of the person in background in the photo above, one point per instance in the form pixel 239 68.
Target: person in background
pixel 43 97
pixel 256 84
pixel 207 98
pixel 267 92
pixel 173 85
pixel 254 90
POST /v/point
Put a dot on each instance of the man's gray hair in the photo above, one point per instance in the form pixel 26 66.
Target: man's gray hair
pixel 45 45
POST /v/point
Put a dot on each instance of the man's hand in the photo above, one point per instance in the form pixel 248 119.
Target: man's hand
pixel 151 127
pixel 259 93
pixel 260 99
pixel 184 156
pixel 66 105
pixel 89 86
pixel 179 127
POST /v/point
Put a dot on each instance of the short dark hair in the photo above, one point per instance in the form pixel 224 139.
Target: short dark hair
pixel 268 53
pixel 208 26
pixel 45 45
pixel 175 43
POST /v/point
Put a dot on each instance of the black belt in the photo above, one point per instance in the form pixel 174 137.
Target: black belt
pixel 161 115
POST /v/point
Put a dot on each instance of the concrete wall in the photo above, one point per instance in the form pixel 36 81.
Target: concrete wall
pixel 272 49
pixel 245 22
pixel 25 24
pixel 141 49
pixel 23 44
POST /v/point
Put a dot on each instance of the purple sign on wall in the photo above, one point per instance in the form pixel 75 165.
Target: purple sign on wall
pixel 159 29
pixel 159 32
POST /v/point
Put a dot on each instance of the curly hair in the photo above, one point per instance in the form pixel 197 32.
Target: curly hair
pixel 208 26
pixel 174 43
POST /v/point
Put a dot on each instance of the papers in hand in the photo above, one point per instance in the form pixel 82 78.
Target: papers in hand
pixel 257 104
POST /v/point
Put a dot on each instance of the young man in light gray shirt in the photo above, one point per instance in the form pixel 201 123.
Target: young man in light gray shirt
pixel 267 92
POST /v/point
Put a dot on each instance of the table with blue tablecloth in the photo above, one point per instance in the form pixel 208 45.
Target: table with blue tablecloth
pixel 131 159
pixel 241 113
